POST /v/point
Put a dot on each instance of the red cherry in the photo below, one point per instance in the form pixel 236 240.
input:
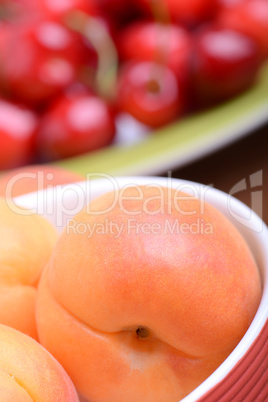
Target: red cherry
pixel 110 6
pixel 18 127
pixel 150 93
pixel 39 59
pixel 119 11
pixel 249 17
pixel 61 8
pixel 76 123
pixel 226 63
pixel 49 9
pixel 187 12
pixel 5 29
pixel 169 45
pixel 229 3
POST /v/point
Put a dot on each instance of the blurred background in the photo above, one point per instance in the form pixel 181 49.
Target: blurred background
pixel 139 87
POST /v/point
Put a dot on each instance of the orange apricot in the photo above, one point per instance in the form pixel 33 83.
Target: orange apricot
pixel 147 292
pixel 33 178
pixel 26 243
pixel 28 372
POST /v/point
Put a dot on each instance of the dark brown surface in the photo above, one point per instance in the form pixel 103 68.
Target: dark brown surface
pixel 243 164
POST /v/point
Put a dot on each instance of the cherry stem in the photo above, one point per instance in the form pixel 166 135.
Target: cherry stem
pixel 153 86
pixel 95 32
pixel 160 11
pixel 5 13
pixel 161 16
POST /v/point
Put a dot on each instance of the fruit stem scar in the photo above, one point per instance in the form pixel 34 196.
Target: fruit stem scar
pixel 142 332
pixel 153 86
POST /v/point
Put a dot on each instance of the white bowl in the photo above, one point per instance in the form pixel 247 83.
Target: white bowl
pixel 231 381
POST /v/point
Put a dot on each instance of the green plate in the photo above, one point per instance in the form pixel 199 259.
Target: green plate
pixel 183 142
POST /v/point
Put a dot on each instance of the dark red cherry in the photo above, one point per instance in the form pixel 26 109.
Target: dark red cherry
pixel 169 45
pixel 18 126
pixel 249 17
pixel 38 60
pixel 226 63
pixel 76 123
pixel 150 93
pixel 187 12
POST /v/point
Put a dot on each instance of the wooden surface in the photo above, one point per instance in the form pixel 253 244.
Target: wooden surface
pixel 240 169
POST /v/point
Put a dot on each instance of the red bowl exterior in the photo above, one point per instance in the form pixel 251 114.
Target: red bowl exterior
pixel 248 380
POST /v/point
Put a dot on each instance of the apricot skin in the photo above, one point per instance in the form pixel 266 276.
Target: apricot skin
pixel 28 372
pixel 195 293
pixel 28 179
pixel 26 243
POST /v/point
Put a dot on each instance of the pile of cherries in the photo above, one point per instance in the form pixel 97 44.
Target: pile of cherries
pixel 68 68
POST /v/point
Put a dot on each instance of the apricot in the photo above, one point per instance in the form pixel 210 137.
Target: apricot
pixel 147 292
pixel 26 243
pixel 28 372
pixel 33 178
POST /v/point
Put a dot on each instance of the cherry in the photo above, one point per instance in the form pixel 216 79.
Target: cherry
pixel 4 34
pixel 110 6
pixel 167 44
pixel 121 12
pixel 229 3
pixel 170 45
pixel 61 8
pixel 76 123
pixel 18 127
pixel 226 63
pixel 249 17
pixel 39 59
pixel 150 92
pixel 49 9
pixel 187 12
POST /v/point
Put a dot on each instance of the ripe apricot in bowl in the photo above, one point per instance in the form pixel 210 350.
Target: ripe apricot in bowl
pixel 28 372
pixel 26 243
pixel 147 292
pixel 27 179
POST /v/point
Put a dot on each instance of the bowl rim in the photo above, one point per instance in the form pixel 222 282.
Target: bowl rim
pixel 255 231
